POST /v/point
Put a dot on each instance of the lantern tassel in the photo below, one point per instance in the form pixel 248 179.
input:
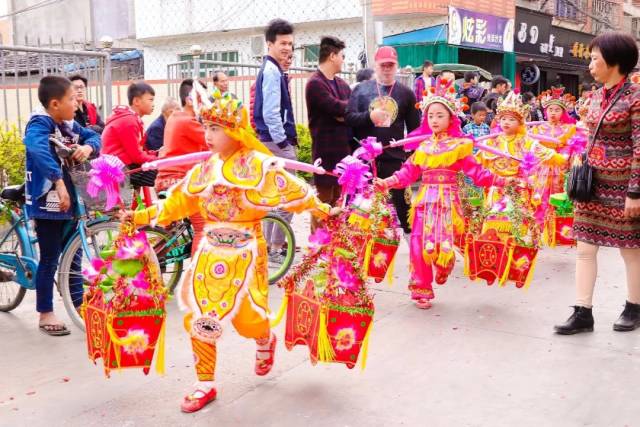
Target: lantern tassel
pixel 325 350
pixel 365 347
pixel 281 311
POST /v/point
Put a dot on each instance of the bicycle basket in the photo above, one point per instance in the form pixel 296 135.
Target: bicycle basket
pixel 80 178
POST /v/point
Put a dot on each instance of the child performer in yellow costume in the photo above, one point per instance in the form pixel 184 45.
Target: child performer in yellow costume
pixel 227 278
pixel 514 141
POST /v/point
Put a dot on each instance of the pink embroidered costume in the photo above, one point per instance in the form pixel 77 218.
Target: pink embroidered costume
pixel 436 213
pixel 560 128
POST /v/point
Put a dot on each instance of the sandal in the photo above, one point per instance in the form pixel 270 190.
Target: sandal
pixel 193 404
pixel 55 330
pixel 263 366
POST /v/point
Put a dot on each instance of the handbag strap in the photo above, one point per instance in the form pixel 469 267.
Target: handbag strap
pixel 615 98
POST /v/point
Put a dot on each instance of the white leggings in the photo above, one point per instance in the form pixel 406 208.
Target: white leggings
pixel 587 269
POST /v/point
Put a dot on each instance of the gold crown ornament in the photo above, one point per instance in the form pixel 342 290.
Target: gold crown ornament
pixel 556 96
pixel 223 110
pixel 444 93
pixel 512 104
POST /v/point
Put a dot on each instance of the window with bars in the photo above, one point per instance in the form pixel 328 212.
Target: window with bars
pixel 311 55
pixel 568 9
pixel 605 12
pixel 206 69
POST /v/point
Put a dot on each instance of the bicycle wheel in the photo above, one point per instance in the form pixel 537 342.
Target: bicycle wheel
pixel 280 262
pixel 11 293
pixel 170 256
pixel 99 237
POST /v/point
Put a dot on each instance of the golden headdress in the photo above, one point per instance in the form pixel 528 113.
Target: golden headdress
pixel 556 96
pixel 227 112
pixel 512 104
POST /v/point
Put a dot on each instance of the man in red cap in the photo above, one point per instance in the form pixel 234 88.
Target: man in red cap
pixel 385 108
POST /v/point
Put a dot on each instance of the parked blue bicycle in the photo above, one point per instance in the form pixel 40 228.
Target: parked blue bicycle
pixel 19 254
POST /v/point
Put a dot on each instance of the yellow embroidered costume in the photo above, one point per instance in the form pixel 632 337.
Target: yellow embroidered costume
pixel 227 277
pixel 535 199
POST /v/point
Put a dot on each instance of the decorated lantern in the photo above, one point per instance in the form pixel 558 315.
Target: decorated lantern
pixel 487 256
pixel 522 265
pixel 124 305
pixel 329 307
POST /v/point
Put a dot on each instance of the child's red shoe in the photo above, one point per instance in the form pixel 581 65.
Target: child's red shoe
pixel 263 366
pixel 423 304
pixel 193 404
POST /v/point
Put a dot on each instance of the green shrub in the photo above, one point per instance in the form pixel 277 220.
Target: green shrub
pixel 12 154
pixel 304 149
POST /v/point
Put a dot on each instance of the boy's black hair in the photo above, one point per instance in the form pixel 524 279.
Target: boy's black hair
pixel 527 96
pixel 277 27
pixel 426 64
pixel 138 89
pixel 185 90
pixel 79 77
pixel 498 80
pixel 329 45
pixel 478 106
pixel 364 75
pixel 52 87
pixel 470 75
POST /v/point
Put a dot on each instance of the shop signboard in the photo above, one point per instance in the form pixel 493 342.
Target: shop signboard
pixel 536 36
pixel 479 30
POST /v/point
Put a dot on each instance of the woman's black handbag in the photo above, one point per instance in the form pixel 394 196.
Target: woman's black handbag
pixel 580 182
pixel 580 179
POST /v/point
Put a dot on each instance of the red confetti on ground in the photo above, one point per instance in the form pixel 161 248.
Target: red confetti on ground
pixel 65 379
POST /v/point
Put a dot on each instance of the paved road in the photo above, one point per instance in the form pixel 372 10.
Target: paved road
pixel 483 356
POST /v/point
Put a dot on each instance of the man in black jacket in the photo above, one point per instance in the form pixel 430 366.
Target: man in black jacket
pixel 327 97
pixel 384 108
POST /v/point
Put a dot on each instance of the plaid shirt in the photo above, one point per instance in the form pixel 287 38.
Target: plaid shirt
pixel 331 137
pixel 476 130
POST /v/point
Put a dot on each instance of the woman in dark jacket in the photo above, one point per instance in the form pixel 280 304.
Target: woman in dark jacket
pixel 612 217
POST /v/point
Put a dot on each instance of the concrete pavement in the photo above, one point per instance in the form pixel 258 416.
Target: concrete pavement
pixel 482 356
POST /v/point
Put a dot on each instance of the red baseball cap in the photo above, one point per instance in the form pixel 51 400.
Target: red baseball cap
pixel 386 54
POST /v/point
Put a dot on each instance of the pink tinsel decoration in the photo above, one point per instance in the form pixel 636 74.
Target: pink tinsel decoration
pixel 133 247
pixel 353 175
pixel 321 237
pixel 528 163
pixel 106 175
pixel 94 270
pixel 345 274
pixel 369 149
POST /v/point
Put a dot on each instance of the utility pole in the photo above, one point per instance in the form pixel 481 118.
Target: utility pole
pixel 368 31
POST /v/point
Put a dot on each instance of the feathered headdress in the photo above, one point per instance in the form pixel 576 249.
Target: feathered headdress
pixel 443 92
pixel 512 104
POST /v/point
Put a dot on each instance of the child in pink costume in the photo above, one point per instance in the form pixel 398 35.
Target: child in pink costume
pixel 436 213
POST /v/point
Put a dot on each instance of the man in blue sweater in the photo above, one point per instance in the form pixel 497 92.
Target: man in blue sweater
pixel 54 142
pixel 273 111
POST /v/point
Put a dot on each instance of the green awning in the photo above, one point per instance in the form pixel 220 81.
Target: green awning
pixel 433 34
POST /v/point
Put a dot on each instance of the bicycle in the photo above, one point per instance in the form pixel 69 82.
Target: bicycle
pixel 18 251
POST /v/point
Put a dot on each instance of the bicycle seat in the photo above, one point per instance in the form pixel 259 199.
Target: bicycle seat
pixel 14 193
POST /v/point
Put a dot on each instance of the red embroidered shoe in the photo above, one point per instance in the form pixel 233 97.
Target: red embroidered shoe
pixel 193 404
pixel 263 366
pixel 423 304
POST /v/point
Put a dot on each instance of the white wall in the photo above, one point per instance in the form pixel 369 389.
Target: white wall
pixel 158 53
pixel 162 18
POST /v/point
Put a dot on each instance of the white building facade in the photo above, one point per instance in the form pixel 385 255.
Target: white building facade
pixel 233 30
